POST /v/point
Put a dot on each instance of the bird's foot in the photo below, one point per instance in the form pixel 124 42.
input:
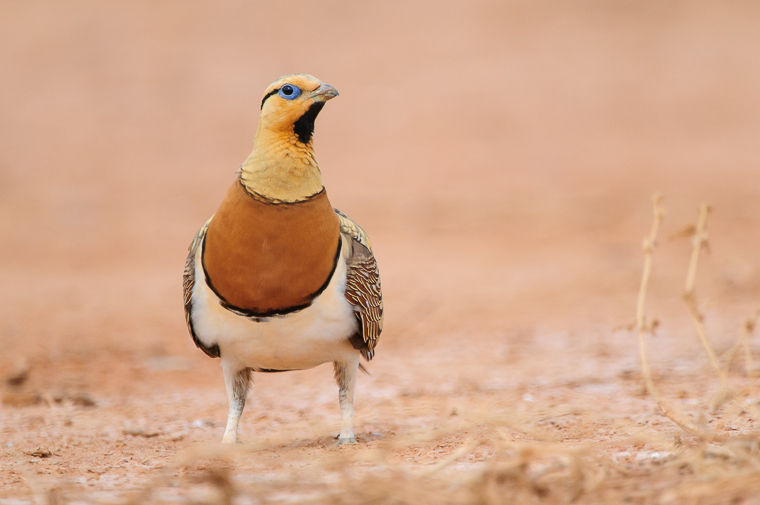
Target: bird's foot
pixel 345 440
pixel 229 440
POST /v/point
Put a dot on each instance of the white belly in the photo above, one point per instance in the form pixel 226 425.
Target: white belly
pixel 304 339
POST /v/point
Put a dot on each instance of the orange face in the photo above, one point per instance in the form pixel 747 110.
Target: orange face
pixel 293 101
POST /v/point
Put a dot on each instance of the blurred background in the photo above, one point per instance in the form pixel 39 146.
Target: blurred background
pixel 501 154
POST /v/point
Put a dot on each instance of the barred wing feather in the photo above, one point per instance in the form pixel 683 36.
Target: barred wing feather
pixel 363 288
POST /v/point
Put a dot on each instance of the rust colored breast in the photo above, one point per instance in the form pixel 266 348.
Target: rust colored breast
pixel 264 259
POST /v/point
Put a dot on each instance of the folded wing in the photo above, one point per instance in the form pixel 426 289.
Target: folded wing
pixel 363 288
pixel 188 283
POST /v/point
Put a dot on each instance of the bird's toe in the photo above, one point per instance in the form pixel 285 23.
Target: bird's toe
pixel 346 440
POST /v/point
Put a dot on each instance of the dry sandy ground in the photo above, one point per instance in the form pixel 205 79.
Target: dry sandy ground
pixel 501 155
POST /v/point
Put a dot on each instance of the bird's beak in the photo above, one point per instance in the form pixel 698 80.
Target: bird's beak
pixel 324 93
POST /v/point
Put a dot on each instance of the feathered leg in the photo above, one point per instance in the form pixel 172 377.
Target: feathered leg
pixel 345 376
pixel 237 382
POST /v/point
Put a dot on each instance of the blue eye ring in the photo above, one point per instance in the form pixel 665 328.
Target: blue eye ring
pixel 289 92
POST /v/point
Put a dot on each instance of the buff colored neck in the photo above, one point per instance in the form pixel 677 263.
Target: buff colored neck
pixel 281 168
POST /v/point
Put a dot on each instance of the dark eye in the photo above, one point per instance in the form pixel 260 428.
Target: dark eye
pixel 289 92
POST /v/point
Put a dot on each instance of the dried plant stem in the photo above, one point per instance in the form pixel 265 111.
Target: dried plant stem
pixel 742 342
pixel 648 246
pixel 747 329
pixel 643 328
pixel 700 241
pixel 728 356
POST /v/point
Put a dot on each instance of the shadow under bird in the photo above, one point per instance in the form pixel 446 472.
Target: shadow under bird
pixel 277 279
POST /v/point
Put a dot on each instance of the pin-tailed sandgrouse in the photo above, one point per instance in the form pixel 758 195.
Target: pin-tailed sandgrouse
pixel 277 279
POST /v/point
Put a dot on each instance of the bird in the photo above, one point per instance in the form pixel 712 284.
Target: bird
pixel 277 279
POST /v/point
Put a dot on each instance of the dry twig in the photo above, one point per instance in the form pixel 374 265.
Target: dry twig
pixel 643 328
pixel 699 242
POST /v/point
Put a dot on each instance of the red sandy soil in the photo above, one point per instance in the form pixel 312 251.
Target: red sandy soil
pixel 501 155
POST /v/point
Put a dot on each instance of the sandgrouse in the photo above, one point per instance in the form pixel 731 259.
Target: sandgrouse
pixel 277 279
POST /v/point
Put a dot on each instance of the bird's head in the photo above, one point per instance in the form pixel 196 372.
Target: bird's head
pixel 292 103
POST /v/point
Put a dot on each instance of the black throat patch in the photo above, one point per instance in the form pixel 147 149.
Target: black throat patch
pixel 304 127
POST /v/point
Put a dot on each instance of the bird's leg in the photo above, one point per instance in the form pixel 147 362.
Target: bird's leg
pixel 237 382
pixel 345 376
